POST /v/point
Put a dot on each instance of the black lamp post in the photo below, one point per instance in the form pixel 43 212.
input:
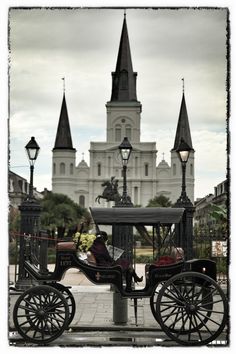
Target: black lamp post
pixel 125 151
pixel 186 236
pixel 123 236
pixel 32 150
pixel 30 210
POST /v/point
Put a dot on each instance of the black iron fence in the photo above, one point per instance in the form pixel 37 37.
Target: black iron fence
pixel 213 244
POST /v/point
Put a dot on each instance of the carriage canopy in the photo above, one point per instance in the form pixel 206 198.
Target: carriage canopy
pixel 141 216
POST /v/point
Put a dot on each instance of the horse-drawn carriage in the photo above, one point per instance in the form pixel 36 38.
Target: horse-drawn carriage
pixel 185 299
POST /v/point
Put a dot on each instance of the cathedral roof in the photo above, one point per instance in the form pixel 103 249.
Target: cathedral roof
pixel 183 129
pixel 83 164
pixel 163 164
pixel 124 79
pixel 63 137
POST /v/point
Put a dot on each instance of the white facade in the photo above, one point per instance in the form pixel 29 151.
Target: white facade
pixel 145 179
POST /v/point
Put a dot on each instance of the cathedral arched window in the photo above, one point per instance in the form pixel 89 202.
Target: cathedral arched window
pixel 99 169
pixel 82 201
pixel 54 168
pixel 62 168
pixel 136 165
pixel 128 131
pixel 146 169
pixel 71 168
pixel 135 195
pixel 109 165
pixel 174 169
pixel 118 133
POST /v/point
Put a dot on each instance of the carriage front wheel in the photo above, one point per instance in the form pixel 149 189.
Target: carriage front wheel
pixel 41 314
pixel 191 308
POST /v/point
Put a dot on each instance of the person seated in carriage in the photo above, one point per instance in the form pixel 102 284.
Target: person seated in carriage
pixel 103 258
pixel 176 255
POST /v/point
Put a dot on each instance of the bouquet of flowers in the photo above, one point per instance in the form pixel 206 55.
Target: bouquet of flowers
pixel 84 241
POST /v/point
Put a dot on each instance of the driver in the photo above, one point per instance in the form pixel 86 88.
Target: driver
pixel 101 254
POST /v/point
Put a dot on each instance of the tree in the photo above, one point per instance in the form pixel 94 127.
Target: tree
pixel 159 201
pixel 219 214
pixel 61 213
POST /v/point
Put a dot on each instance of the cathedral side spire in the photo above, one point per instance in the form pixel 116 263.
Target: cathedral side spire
pixel 63 137
pixel 183 128
pixel 124 78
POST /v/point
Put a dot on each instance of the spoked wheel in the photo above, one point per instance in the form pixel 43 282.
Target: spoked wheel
pixel 69 298
pixel 191 309
pixel 153 300
pixel 41 314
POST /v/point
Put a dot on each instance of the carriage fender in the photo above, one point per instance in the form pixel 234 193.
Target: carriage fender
pixel 204 266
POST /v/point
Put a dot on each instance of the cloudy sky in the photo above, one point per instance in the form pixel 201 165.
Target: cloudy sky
pixel 82 45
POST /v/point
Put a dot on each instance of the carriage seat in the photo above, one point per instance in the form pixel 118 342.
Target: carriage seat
pixel 66 246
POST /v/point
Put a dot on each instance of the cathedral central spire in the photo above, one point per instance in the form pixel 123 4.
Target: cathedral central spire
pixel 124 78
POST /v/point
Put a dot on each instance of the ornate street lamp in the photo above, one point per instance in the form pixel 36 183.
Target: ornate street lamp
pixel 185 238
pixel 125 151
pixel 32 150
pixel 30 210
pixel 183 152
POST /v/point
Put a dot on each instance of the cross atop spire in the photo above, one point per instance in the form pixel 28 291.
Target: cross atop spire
pixel 64 84
pixel 183 83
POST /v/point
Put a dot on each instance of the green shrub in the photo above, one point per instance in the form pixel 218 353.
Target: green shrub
pixel 12 252
pixel 143 259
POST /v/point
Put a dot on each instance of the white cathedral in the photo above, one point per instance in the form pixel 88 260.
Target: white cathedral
pixel 145 180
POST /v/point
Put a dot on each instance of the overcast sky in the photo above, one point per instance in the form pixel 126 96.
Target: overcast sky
pixel 82 45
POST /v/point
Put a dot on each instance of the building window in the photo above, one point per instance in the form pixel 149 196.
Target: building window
pixel 99 169
pixel 118 133
pixel 128 131
pixel 54 168
pixel 191 169
pixel 146 169
pixel 174 169
pixel 109 165
pixel 135 195
pixel 62 168
pixel 71 168
pixel 20 184
pixel 136 165
pixel 82 201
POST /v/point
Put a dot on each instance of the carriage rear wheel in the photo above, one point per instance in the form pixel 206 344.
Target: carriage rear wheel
pixel 41 314
pixel 191 309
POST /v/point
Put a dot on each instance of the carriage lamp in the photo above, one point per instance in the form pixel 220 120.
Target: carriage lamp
pixel 183 152
pixel 32 149
pixel 125 151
